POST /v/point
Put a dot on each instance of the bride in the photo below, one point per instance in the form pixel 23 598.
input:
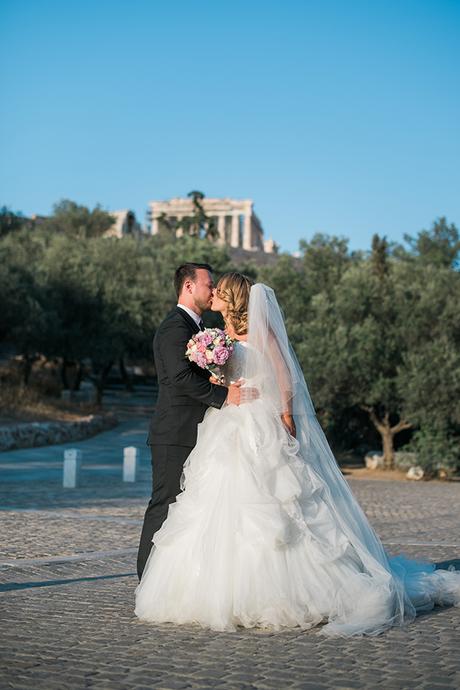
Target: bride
pixel 267 532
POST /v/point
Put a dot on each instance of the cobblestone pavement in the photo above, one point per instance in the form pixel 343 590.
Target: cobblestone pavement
pixel 67 580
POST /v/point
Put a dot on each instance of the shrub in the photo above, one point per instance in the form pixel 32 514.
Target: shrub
pixel 436 451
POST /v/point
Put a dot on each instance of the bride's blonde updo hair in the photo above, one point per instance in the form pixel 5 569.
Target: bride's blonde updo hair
pixel 234 289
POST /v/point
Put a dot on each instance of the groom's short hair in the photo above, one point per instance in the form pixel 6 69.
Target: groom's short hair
pixel 187 272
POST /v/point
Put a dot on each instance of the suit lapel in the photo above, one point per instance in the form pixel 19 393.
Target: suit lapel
pixel 188 319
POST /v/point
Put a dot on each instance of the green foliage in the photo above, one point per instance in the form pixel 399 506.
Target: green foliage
pixel 352 348
pixel 429 317
pixel 10 221
pixel 436 450
pixel 67 292
pixel 23 312
pixel 298 283
pixel 377 333
pixel 77 221
pixel 439 246
pixel 287 278
pixel 324 260
pixel 379 256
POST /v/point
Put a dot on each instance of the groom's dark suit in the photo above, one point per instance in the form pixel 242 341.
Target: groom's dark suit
pixel 184 395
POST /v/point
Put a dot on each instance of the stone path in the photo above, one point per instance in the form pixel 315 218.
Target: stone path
pixel 67 581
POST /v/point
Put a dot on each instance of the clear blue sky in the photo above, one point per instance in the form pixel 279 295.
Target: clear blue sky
pixel 339 117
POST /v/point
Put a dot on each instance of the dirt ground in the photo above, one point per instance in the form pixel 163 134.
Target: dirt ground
pixel 45 410
pixel 365 473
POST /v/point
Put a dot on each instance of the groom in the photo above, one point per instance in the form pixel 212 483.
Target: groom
pixel 184 395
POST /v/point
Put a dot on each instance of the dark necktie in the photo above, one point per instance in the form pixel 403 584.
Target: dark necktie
pixel 201 325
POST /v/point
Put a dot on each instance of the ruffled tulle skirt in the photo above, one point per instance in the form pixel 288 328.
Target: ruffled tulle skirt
pixel 253 540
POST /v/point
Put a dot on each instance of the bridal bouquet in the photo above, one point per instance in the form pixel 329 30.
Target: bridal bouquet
pixel 210 349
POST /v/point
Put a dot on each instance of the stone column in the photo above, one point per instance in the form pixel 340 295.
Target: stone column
pixel 155 226
pixel 247 239
pixel 235 241
pixel 221 229
pixel 179 231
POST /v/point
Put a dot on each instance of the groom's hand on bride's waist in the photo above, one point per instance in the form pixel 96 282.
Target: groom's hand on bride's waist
pixel 237 394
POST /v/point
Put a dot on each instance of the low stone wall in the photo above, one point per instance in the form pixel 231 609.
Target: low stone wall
pixel 32 434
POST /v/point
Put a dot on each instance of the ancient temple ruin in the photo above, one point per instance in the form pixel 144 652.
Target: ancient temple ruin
pixel 237 224
pixel 125 223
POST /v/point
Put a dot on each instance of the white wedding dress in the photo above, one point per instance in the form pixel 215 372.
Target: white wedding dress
pixel 267 532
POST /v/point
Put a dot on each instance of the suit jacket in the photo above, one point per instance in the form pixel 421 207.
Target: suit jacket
pixel 184 390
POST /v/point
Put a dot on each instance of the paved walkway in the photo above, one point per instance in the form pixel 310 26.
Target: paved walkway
pixel 67 580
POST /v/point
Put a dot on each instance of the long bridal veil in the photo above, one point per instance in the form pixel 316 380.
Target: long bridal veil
pixel 387 591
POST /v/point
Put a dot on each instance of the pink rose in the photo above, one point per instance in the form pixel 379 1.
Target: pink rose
pixel 220 355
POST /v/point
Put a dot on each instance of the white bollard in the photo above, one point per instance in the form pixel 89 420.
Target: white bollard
pixel 72 462
pixel 130 459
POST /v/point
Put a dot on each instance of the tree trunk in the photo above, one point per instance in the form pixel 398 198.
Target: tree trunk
pixel 28 361
pixel 388 447
pixel 79 376
pixel 100 381
pixel 99 392
pixel 387 432
pixel 124 376
pixel 71 374
pixel 65 383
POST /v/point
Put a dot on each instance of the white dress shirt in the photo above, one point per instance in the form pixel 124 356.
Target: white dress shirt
pixel 196 317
